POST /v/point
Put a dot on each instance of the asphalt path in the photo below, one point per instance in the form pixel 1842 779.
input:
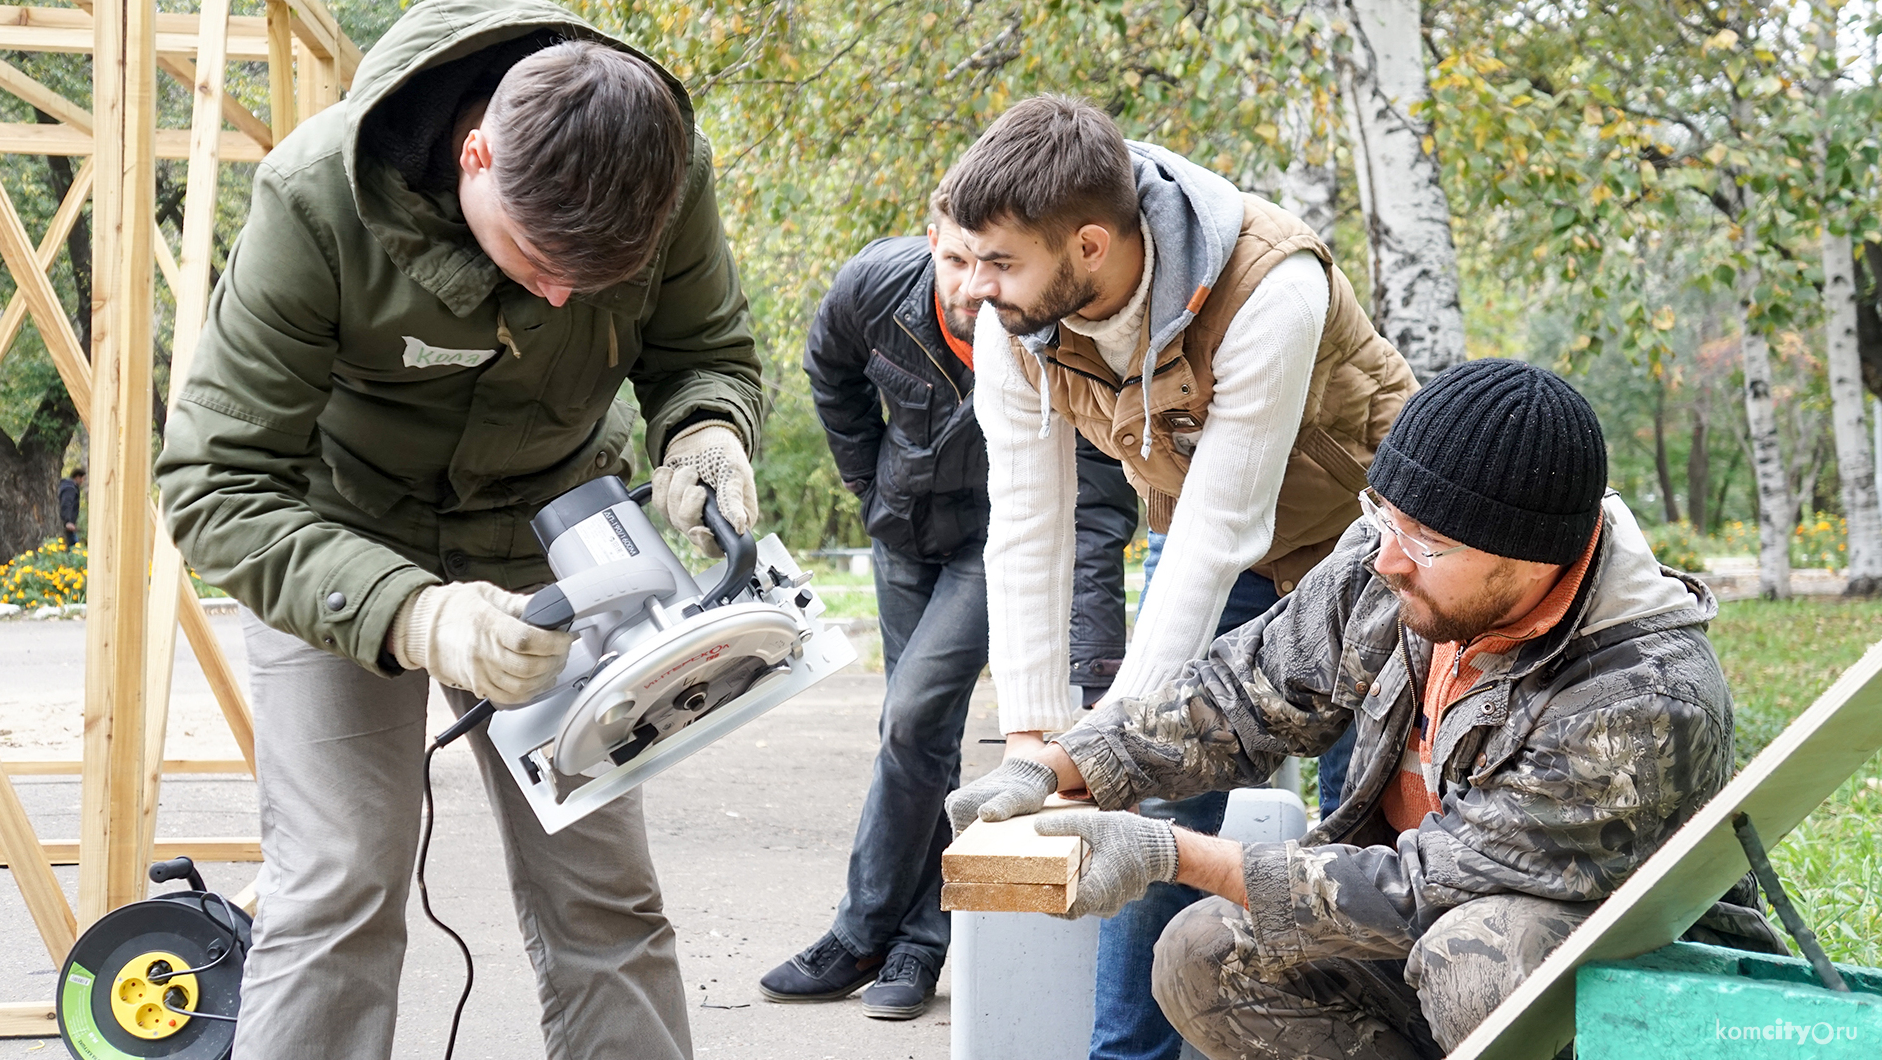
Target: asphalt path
pixel 751 837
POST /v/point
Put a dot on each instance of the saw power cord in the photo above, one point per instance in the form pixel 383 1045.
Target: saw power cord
pixel 424 893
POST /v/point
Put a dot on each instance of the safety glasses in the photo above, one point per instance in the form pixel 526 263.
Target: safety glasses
pixel 1415 550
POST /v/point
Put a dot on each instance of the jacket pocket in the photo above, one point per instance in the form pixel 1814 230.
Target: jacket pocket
pixel 909 398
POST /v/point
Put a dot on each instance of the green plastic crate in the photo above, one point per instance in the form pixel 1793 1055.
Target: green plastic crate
pixel 1693 1002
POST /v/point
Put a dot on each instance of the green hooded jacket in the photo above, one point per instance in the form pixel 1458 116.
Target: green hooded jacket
pixel 375 407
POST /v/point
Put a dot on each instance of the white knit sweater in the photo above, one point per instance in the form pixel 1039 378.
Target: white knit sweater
pixel 1224 520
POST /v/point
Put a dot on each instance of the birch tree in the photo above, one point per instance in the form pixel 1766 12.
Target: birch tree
pixel 1414 262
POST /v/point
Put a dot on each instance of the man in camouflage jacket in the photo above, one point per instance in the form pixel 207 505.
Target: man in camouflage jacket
pixel 1537 710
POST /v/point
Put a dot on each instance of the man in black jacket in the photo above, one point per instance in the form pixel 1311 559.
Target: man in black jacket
pixel 895 333
pixel 70 488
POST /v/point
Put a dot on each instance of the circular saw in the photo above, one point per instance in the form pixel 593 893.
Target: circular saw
pixel 664 662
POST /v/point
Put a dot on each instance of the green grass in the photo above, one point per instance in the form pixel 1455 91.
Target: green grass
pixel 1779 657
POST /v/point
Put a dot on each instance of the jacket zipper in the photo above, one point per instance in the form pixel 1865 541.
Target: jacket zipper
pixel 958 397
pixel 1115 388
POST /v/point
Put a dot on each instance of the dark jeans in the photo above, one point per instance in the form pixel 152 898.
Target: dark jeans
pixel 934 644
pixel 1129 1024
pixel 1107 520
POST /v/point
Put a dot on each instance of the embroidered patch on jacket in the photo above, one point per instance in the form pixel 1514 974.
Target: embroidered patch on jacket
pixel 420 355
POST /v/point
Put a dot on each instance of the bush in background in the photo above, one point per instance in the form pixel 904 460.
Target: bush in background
pixel 1675 545
pixel 48 576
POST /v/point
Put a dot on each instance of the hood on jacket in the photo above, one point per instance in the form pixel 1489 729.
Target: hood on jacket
pixel 1195 217
pixel 1633 585
pixel 406 96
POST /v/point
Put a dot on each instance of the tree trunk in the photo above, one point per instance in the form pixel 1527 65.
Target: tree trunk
pixel 1669 499
pixel 1310 186
pixel 1774 503
pixel 1855 466
pixel 1698 470
pixel 1414 278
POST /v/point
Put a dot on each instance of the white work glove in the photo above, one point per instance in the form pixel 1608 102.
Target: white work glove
pixel 471 635
pixel 1128 854
pixel 705 454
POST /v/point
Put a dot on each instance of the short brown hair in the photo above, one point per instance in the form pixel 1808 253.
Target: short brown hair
pixel 1051 164
pixel 591 153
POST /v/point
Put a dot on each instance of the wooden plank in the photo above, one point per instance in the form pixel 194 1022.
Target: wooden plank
pixel 28 1019
pixel 71 30
pixel 233 110
pixel 22 261
pixel 280 69
pixel 1011 852
pixel 63 219
pixel 216 669
pixel 21 138
pixel 1807 762
pixel 32 870
pixel 1009 897
pixel 246 899
pixel 190 286
pixel 166 261
pixel 72 767
pixel 315 26
pixel 22 84
pixel 199 848
pixel 114 851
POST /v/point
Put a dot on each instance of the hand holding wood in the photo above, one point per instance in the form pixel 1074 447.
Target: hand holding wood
pixel 1128 854
pixel 1017 786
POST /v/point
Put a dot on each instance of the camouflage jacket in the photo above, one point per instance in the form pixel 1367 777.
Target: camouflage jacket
pixel 1569 762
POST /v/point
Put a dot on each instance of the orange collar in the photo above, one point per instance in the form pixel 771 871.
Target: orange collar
pixel 963 350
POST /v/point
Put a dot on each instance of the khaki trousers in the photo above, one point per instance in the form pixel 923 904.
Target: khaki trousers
pixel 340 754
pixel 1334 1008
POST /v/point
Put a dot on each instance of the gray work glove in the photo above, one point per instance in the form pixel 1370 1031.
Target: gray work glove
pixel 1128 854
pixel 706 454
pixel 1018 786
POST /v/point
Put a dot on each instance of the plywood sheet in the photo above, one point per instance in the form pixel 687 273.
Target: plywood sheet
pixel 1778 789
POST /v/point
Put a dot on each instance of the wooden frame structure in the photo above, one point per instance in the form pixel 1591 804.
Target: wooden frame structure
pixel 138 590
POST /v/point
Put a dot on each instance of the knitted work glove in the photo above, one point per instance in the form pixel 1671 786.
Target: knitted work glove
pixel 710 454
pixel 1018 786
pixel 471 635
pixel 1128 854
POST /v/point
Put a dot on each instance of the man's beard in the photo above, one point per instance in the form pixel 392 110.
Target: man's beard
pixel 1463 621
pixel 1067 294
pixel 957 316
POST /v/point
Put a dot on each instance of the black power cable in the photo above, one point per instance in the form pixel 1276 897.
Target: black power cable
pixel 424 900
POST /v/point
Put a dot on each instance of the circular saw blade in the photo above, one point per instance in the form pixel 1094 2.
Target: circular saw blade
pixel 671 681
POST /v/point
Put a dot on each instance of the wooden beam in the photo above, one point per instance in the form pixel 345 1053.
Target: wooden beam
pixel 62 221
pixel 190 288
pixel 28 1019
pixel 1011 851
pixel 315 26
pixel 21 84
pixel 72 767
pixel 114 850
pixel 166 261
pixel 1807 762
pixel 32 870
pixel 1010 897
pixel 20 138
pixel 199 848
pixel 71 30
pixel 233 110
pixel 280 69
pixel 22 261
pixel 221 676
pixel 246 899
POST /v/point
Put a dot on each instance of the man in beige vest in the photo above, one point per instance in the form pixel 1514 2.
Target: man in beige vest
pixel 1102 265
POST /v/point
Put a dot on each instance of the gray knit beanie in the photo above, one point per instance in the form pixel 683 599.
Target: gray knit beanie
pixel 1499 455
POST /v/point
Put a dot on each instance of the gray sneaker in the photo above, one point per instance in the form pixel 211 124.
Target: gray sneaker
pixel 901 991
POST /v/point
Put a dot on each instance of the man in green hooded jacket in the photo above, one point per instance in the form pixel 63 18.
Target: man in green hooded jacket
pixel 417 342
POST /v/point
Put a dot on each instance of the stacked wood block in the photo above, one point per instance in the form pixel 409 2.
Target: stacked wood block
pixel 1008 867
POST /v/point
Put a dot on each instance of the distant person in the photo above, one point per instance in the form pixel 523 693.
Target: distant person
pixel 895 332
pixel 1537 710
pixel 1206 339
pixel 71 489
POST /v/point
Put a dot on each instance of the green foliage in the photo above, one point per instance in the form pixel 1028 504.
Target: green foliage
pixel 1675 545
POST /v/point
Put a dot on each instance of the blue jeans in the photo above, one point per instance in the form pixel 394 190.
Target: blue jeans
pixel 934 643
pixel 1129 1025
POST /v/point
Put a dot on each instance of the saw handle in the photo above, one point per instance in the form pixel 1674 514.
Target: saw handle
pixel 741 556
